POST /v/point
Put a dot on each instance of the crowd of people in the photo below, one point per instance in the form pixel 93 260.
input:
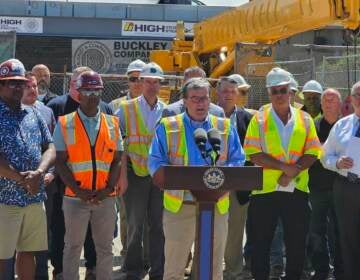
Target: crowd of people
pixel 71 165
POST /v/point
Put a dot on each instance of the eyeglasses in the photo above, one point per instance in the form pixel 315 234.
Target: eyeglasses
pixel 134 79
pixel 283 90
pixel 89 92
pixel 356 95
pixel 198 99
pixel 12 84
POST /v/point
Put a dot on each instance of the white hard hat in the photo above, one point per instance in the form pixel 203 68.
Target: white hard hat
pixel 312 86
pixel 293 83
pixel 152 70
pixel 239 80
pixel 277 77
pixel 136 65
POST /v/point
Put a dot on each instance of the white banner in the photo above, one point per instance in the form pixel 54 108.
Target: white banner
pixel 113 56
pixel 142 28
pixel 21 24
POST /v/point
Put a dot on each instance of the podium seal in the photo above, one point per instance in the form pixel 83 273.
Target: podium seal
pixel 213 178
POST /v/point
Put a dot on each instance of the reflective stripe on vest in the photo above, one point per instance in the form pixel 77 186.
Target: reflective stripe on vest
pixel 90 166
pixel 137 136
pixel 270 142
pixel 178 155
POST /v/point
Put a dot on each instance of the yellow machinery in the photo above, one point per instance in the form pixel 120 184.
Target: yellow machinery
pixel 256 25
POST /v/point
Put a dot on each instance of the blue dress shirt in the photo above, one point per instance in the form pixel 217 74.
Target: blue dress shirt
pixel 337 142
pixel 158 150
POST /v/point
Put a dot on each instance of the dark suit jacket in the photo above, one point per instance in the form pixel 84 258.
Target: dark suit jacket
pixel 243 118
pixel 178 108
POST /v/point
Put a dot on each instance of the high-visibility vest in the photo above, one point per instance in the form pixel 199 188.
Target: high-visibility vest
pixel 178 155
pixel 90 165
pixel 263 136
pixel 117 102
pixel 138 137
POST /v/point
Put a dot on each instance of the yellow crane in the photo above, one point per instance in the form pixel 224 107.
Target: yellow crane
pixel 259 21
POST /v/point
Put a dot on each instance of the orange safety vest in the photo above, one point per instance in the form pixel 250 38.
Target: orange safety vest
pixel 90 165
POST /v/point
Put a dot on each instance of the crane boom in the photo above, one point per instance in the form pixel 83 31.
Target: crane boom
pixel 267 21
pixel 259 21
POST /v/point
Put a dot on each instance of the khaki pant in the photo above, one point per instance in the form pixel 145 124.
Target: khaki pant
pixel 77 216
pixel 234 243
pixel 179 230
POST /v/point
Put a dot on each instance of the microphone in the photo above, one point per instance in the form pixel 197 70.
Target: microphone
pixel 215 142
pixel 201 138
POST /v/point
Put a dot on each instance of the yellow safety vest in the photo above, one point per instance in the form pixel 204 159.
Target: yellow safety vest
pixel 178 155
pixel 138 137
pixel 263 136
pixel 117 102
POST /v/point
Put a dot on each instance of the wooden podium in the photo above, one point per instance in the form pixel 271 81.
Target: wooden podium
pixel 207 184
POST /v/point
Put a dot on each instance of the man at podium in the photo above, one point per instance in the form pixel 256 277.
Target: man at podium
pixel 177 141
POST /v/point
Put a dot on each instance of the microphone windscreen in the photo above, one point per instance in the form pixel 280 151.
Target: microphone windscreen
pixel 200 135
pixel 214 136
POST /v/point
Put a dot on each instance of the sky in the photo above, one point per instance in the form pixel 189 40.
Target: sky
pixel 207 2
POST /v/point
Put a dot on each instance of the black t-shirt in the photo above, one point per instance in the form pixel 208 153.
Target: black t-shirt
pixel 321 179
pixel 64 104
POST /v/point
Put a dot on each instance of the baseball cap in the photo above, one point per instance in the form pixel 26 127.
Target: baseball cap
pixel 136 65
pixel 152 70
pixel 12 69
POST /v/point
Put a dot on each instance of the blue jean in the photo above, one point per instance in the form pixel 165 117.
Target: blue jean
pixel 277 245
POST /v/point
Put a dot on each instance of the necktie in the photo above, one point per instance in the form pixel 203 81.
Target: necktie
pixel 352 177
pixel 357 133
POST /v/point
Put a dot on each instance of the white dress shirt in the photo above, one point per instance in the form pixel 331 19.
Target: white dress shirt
pixel 337 142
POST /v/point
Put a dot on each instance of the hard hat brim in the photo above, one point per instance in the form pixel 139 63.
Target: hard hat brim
pixel 311 91
pixel 152 77
pixel 133 70
pixel 246 86
pixel 278 84
pixel 22 78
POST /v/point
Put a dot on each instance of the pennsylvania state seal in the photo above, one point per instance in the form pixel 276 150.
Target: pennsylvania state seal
pixel 213 178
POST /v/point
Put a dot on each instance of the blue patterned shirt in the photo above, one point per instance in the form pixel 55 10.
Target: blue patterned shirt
pixel 22 135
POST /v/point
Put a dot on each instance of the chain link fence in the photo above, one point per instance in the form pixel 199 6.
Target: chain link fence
pixel 116 86
pixel 340 72
pixel 302 70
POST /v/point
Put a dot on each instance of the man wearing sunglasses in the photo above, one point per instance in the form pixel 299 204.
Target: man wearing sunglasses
pixel 88 144
pixel 134 83
pixel 143 201
pixel 283 141
pixel 63 105
pixel 26 153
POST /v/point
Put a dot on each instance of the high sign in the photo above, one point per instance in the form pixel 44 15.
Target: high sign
pixel 113 56
pixel 142 28
pixel 21 24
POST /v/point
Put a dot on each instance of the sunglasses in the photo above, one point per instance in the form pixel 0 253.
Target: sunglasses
pixel 134 79
pixel 12 84
pixel 283 90
pixel 89 92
